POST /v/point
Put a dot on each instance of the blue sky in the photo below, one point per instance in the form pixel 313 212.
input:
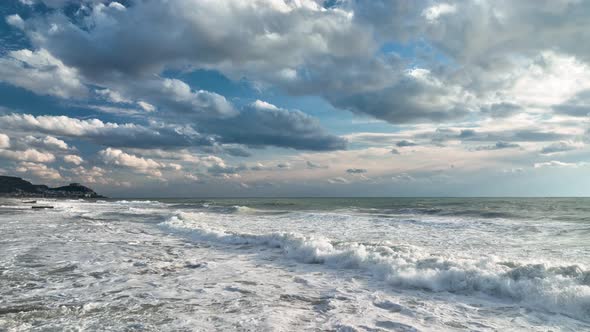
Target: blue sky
pixel 297 97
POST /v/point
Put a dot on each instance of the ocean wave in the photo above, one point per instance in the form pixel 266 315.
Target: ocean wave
pixel 444 212
pixel 239 209
pixel 191 205
pixel 558 289
pixel 147 202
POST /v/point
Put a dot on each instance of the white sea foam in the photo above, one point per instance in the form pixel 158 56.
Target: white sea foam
pixel 136 202
pixel 559 289
pixel 254 269
pixel 242 209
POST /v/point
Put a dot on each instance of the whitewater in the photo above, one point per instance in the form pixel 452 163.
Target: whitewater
pixel 373 264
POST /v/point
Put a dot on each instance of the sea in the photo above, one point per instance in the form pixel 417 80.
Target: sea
pixel 296 264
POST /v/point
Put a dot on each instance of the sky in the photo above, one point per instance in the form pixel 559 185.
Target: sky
pixel 211 98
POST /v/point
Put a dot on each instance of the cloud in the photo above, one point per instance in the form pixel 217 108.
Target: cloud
pixel 4 141
pixel 255 125
pixel 557 147
pixel 559 164
pixel 312 165
pixel 201 33
pixel 183 155
pixel 405 143
pixel 31 155
pixel 73 159
pixel 578 105
pixel 112 96
pixel 191 177
pixel 104 133
pixel 432 13
pixel 406 96
pixel 222 169
pixel 320 58
pixel 579 110
pixel 40 72
pixel 173 95
pixel 498 146
pixel 142 165
pixel 262 124
pixel 48 142
pixel 146 106
pixel 62 3
pixel 236 151
pixel 284 165
pixel 403 177
pixel 450 77
pixel 338 180
pixel 168 98
pixel 498 134
pixel 91 175
pixel 502 110
pixel 259 167
pixel 217 167
pixel 519 27
pixel 517 170
pixel 356 171
pixel 16 21
pixel 40 171
pixel 336 50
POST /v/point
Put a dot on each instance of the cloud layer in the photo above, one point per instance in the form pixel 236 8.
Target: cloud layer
pixel 278 94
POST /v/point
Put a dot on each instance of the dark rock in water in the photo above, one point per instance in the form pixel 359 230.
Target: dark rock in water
pixel 11 186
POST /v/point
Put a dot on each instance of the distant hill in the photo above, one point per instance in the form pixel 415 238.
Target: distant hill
pixel 11 186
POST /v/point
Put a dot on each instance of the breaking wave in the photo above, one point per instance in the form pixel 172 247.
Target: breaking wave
pixel 557 289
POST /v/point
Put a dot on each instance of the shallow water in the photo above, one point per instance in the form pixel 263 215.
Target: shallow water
pixel 296 264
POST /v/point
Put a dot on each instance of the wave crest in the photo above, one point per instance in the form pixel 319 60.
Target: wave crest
pixel 561 289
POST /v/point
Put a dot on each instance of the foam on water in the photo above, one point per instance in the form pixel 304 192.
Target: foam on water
pixel 278 265
pixel 242 209
pixel 560 289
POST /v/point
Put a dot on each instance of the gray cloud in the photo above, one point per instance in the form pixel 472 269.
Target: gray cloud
pixel 402 61
pixel 150 35
pixel 237 151
pixel 481 32
pixel 498 146
pixel 558 147
pixel 284 165
pixel 405 143
pixel 105 133
pixel 41 73
pixel 312 165
pixel 502 110
pixel 174 98
pixel 579 105
pixel 321 60
pixel 573 109
pixel 222 169
pixel 261 124
pixel 472 135
pixel 356 171
pixel 338 180
pixel 466 51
